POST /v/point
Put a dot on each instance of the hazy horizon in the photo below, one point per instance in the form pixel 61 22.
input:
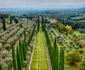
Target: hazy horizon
pixel 37 4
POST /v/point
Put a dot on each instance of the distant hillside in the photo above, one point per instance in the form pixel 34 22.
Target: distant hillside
pixel 16 11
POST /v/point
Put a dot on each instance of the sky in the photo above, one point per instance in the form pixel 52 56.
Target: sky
pixel 42 3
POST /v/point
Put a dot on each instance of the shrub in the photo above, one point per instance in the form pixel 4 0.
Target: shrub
pixel 25 63
pixel 69 29
pixel 2 41
pixel 4 66
pixel 82 65
pixel 8 60
pixel 7 46
pixel 80 51
pixel 73 57
pixel 4 54
pixel 29 53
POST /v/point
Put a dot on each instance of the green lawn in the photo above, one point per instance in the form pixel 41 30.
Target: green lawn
pixel 40 57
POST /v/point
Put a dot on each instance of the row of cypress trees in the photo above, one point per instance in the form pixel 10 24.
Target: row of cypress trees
pixel 43 22
pixel 56 53
pixel 3 21
pixel 20 55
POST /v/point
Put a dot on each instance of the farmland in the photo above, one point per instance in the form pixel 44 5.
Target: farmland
pixel 40 43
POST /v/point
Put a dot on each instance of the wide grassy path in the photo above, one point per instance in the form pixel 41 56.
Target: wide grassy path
pixel 40 56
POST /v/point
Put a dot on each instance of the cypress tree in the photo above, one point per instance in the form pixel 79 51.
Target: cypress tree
pixel 25 46
pixel 21 51
pixel 55 56
pixel 4 25
pixel 19 64
pixel 9 67
pixel 24 50
pixel 38 23
pixel 21 25
pixel 42 23
pixel 13 57
pixel 24 33
pixel 10 19
pixel 31 35
pixel 0 67
pixel 61 58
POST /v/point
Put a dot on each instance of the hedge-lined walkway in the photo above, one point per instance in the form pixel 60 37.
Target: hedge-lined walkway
pixel 40 58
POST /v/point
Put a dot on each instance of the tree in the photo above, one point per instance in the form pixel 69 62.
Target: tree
pixel 73 57
pixel 43 23
pixel 16 20
pixel 4 25
pixel 61 58
pixel 0 67
pixel 19 64
pixel 9 67
pixel 68 29
pixel 13 57
pixel 10 19
pixel 55 57
pixel 38 21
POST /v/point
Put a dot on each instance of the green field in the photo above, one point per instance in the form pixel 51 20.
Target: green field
pixel 40 57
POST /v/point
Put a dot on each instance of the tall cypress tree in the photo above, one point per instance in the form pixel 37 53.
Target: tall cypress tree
pixel 21 52
pixel 38 23
pixel 42 23
pixel 13 57
pixel 0 67
pixel 10 19
pixel 24 50
pixel 19 64
pixel 61 58
pixel 55 55
pixel 4 25
pixel 9 67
